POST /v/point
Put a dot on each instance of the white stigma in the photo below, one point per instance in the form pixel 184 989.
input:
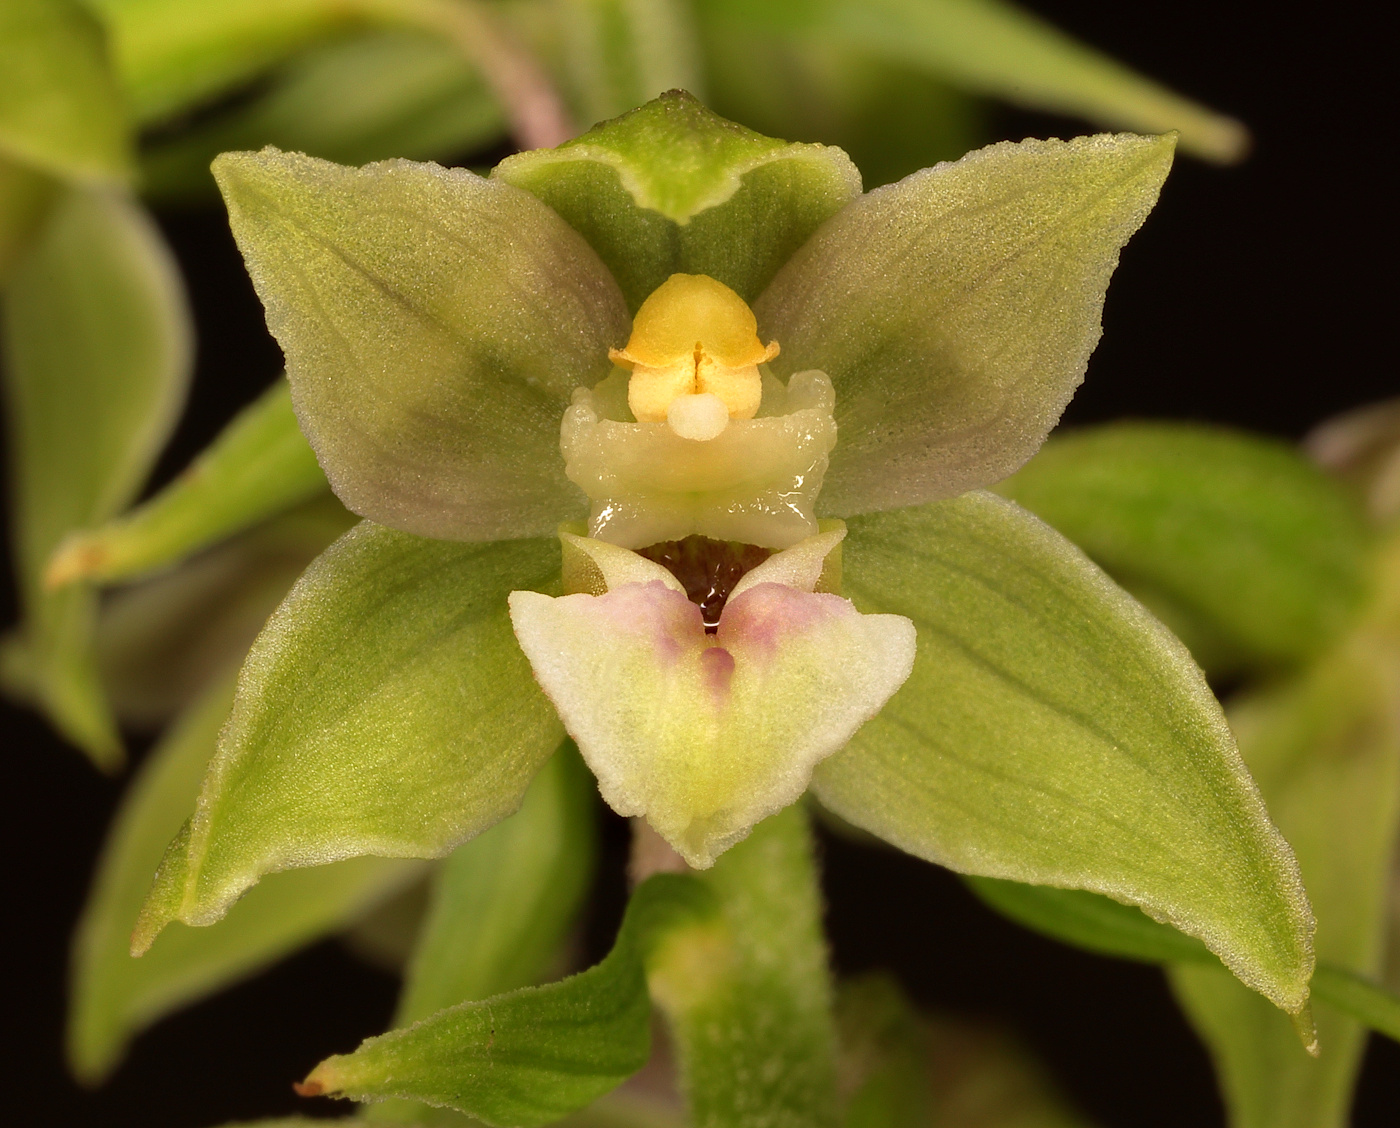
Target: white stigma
pixel 699 417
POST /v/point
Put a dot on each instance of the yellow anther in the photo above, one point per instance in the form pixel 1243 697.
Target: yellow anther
pixel 693 335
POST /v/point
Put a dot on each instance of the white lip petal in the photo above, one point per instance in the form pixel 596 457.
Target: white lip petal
pixel 702 734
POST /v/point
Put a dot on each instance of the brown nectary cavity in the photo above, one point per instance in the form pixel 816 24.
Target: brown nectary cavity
pixel 707 569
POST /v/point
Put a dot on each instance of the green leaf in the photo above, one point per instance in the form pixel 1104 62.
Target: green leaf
pixel 956 310
pixel 386 709
pixel 60 110
pixel 1359 997
pixel 259 466
pixel 1090 921
pixel 1053 733
pixel 386 94
pixel 503 902
pixel 1241 532
pixel 748 995
pixel 1325 749
pixel 1000 49
pixel 160 642
pixel 97 360
pixel 531 1056
pixel 112 996
pixel 891 119
pixel 909 1070
pixel 435 325
pixel 621 53
pixel 671 188
pixel 171 53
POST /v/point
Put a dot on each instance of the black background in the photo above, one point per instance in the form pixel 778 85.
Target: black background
pixel 1258 296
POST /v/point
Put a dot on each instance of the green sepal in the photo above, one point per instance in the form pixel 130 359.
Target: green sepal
pixel 160 642
pixel 1236 532
pixel 258 466
pixel 435 325
pixel 1053 732
pixel 503 902
pixel 955 311
pixel 672 188
pixel 386 709
pixel 97 361
pixel 376 96
pixel 113 997
pixel 748 994
pixel 60 109
pixel 534 1055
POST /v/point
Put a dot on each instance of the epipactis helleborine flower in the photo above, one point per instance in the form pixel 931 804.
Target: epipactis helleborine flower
pixel 702 658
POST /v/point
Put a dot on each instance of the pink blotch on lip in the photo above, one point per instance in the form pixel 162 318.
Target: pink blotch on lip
pixel 654 611
pixel 717 666
pixel 766 614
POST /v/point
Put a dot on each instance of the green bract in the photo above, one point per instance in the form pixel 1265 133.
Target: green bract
pixel 438 326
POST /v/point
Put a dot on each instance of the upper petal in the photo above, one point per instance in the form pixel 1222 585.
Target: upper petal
pixel 956 310
pixel 435 324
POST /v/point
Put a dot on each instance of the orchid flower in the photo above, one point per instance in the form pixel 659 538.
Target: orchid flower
pixel 672 440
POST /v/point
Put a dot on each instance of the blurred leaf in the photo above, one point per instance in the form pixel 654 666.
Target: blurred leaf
pixel 113 997
pixel 1090 921
pixel 435 324
pixel 901 1069
pixel 1325 749
pixel 999 49
pixel 388 94
pixel 621 53
pixel 25 195
pixel 60 110
pixel 503 902
pixel 1240 532
pixel 386 709
pixel 258 466
pixel 531 1056
pixel 672 188
pixel 160 642
pixel 97 360
pixel 748 995
pixel 1359 997
pixel 891 118
pixel 1362 447
pixel 172 54
pixel 1054 733
pixel 955 311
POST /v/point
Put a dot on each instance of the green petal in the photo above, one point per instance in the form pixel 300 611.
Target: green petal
pixel 60 110
pixel 1054 733
pixel 385 710
pixel 672 188
pixel 259 465
pixel 387 94
pixel 25 195
pixel 1326 752
pixel 956 310
pixel 1239 533
pixel 529 1057
pixel 435 325
pixel 112 996
pixel 97 352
